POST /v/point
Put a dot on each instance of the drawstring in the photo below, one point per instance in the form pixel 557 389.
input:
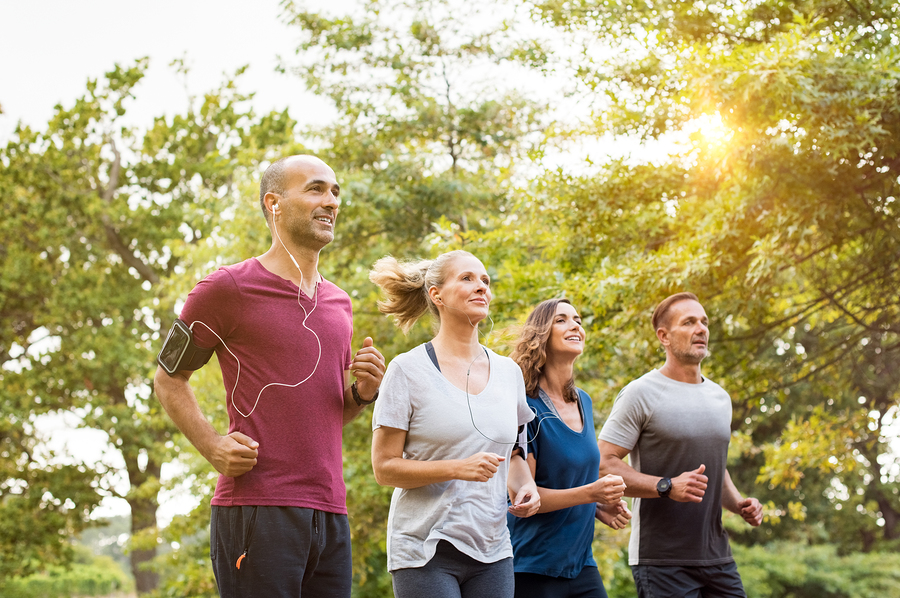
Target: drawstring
pixel 247 537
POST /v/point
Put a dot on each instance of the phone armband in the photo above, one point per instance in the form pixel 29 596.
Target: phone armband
pixel 179 351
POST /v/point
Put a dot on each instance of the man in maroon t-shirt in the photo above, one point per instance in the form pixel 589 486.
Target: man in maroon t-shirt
pixel 281 333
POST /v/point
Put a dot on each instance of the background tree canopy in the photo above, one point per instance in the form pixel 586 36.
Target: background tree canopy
pixel 766 182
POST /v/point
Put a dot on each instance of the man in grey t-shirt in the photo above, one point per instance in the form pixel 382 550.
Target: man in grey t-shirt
pixel 676 426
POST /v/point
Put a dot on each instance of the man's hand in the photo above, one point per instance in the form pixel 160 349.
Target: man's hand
pixel 608 490
pixel 689 486
pixel 480 467
pixel 234 454
pixel 368 367
pixel 615 515
pixel 751 511
pixel 527 501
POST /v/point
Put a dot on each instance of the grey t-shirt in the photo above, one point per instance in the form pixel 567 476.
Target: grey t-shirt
pixel 672 427
pixel 416 397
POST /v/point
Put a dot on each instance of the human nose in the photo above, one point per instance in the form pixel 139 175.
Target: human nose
pixel 330 200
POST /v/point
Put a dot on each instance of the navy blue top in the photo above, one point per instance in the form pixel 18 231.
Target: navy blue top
pixel 558 544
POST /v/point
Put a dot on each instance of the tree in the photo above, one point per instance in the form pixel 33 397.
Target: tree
pixel 96 221
pixel 425 144
pixel 779 210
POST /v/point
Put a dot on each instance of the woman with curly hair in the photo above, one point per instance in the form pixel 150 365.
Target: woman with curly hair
pixel 552 550
pixel 443 433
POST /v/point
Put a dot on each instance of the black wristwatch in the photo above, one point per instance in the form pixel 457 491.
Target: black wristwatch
pixel 664 486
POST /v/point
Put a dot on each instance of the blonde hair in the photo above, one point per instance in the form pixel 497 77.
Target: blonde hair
pixel 405 286
pixel 531 349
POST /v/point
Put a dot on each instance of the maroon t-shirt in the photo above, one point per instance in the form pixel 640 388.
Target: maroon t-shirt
pixel 298 429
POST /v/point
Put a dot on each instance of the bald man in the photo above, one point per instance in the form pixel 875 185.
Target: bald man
pixel 282 335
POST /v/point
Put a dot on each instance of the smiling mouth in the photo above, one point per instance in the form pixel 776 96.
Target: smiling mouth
pixel 324 219
pixel 573 338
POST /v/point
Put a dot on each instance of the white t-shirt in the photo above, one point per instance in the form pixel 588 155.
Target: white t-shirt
pixel 441 421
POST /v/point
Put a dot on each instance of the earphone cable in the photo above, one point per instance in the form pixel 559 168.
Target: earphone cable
pixel 306 317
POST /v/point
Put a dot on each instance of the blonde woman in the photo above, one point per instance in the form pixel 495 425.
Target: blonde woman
pixel 553 557
pixel 444 430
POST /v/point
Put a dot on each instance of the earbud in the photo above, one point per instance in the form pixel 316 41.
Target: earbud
pixel 438 298
pixel 274 207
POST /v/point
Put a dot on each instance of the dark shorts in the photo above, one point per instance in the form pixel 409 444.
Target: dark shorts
pixel 452 574
pixel 715 581
pixel 290 551
pixel 588 584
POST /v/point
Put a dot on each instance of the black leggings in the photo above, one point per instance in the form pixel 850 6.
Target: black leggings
pixel 587 584
pixel 452 574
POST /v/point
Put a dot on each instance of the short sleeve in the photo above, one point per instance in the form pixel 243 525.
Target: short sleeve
pixel 531 433
pixel 348 356
pixel 524 413
pixel 393 407
pixel 626 421
pixel 213 305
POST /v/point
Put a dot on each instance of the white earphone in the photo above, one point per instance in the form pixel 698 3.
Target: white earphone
pixel 303 323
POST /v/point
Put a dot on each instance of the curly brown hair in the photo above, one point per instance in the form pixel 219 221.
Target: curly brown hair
pixel 531 349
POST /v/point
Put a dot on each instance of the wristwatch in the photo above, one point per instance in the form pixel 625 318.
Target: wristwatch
pixel 663 487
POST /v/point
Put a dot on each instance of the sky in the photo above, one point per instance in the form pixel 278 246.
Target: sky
pixel 48 51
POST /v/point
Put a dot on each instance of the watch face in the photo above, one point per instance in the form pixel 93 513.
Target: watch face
pixel 174 347
pixel 664 485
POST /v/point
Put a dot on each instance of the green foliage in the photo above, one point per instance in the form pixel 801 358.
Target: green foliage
pixel 96 222
pixel 777 207
pixel 803 571
pixel 88 576
pixel 426 144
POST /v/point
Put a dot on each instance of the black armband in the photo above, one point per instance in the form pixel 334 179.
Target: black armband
pixel 179 351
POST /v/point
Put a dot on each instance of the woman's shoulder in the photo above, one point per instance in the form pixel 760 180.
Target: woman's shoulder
pixel 412 362
pixel 504 364
pixel 500 359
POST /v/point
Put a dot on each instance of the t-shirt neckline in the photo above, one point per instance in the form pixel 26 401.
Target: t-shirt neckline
pixel 290 283
pixel 441 375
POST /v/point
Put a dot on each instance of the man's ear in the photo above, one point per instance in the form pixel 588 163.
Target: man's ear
pixel 663 335
pixel 271 201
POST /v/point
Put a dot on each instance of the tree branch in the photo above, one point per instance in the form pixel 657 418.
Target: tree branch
pixel 112 235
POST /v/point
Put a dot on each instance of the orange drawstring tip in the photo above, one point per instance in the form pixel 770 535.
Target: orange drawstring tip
pixel 240 558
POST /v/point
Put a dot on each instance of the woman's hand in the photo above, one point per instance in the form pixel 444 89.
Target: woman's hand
pixel 527 501
pixel 615 515
pixel 480 467
pixel 608 490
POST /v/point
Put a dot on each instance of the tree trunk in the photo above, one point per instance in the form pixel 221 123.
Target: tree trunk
pixel 143 517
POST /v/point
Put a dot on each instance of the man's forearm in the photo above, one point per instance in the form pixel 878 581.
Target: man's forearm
pixel 177 398
pixel 731 497
pixel 638 485
pixel 351 409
